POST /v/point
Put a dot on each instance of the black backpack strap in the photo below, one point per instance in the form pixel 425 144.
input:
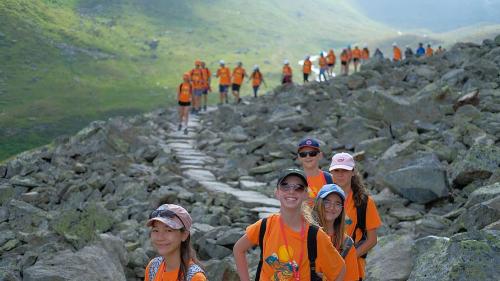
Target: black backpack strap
pixel 346 246
pixel 262 232
pixel 328 177
pixel 312 250
pixel 360 224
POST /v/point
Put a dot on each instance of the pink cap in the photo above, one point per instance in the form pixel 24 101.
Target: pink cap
pixel 342 161
pixel 172 215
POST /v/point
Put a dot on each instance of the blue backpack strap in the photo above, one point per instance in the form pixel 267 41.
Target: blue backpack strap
pixel 192 270
pixel 328 177
pixel 346 246
pixel 154 265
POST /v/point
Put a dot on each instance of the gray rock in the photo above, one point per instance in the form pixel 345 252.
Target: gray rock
pixel 483 194
pixel 374 147
pixel 391 259
pixel 432 225
pixel 405 214
pixel 480 215
pixel 478 163
pixel 223 270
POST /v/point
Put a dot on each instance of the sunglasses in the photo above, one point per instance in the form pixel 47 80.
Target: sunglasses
pixel 330 204
pixel 285 187
pixel 165 214
pixel 311 153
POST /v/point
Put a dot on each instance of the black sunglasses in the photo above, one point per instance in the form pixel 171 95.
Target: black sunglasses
pixel 285 187
pixel 165 214
pixel 311 153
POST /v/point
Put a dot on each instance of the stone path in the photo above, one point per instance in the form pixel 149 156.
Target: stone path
pixel 195 165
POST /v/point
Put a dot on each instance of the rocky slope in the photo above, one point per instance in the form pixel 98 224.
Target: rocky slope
pixel 425 132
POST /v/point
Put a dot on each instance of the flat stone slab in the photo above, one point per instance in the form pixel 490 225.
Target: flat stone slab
pixel 253 185
pixel 179 145
pixel 187 167
pixel 199 175
pixel 252 198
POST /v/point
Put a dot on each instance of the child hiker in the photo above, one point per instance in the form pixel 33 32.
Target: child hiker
pixel 184 96
pixel 170 236
pixel 291 248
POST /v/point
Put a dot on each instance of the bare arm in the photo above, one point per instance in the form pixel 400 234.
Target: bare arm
pixel 239 252
pixel 370 242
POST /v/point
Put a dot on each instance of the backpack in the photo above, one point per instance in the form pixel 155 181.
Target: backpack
pixel 328 177
pixel 155 265
pixel 361 225
pixel 312 250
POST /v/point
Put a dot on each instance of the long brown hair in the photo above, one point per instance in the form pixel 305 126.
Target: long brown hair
pixel 338 223
pixel 359 193
pixel 187 255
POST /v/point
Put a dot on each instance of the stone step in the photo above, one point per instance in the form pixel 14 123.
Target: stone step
pixel 250 198
pixel 199 175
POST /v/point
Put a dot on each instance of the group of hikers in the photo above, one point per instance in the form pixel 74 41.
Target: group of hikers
pixel 196 82
pixel 326 225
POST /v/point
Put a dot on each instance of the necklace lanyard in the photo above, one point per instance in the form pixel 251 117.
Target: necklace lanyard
pixel 295 270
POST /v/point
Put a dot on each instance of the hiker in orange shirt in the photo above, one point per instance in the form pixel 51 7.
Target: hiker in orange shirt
pixel 329 212
pixel 331 59
pixel 224 75
pixel 198 86
pixel 239 75
pixel 307 68
pixel 362 219
pixel 429 51
pixel 206 83
pixel 291 248
pixel 344 60
pixel 323 66
pixel 356 57
pixel 286 73
pixel 439 50
pixel 170 235
pixel 257 80
pixel 349 59
pixel 396 51
pixel 184 93
pixel 365 54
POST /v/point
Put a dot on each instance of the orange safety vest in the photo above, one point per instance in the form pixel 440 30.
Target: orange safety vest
pixel 256 78
pixel 397 54
pixel 356 54
pixel 238 75
pixel 322 62
pixel 224 75
pixel 197 78
pixel 365 54
pixel 429 52
pixel 307 67
pixel 206 76
pixel 344 57
pixel 287 70
pixel 184 94
pixel 331 57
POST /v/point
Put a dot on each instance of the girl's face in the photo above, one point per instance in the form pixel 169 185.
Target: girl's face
pixel 165 239
pixel 333 207
pixel 291 192
pixel 342 177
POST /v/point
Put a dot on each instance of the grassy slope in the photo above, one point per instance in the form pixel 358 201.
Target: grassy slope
pixel 66 62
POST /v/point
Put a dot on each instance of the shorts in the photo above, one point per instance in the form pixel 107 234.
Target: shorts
pixel 236 87
pixel 356 60
pixel 331 64
pixel 184 103
pixel 287 79
pixel 205 91
pixel 344 63
pixel 223 88
pixel 198 92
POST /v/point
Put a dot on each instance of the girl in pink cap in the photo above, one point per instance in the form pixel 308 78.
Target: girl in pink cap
pixel 170 225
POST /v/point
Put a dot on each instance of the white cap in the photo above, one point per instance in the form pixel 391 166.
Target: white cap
pixel 307 56
pixel 394 44
pixel 255 67
pixel 342 161
pixel 285 61
pixel 221 62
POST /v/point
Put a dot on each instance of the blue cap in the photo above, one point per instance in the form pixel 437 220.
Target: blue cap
pixel 309 142
pixel 328 189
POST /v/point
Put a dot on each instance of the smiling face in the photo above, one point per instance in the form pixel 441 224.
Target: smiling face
pixel 166 240
pixel 309 162
pixel 342 177
pixel 292 192
pixel 333 207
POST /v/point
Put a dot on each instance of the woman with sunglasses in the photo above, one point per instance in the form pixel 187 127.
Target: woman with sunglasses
pixel 170 225
pixel 358 205
pixel 283 239
pixel 328 210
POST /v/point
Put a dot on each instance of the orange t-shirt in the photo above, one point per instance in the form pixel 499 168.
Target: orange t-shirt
pixel 356 54
pixel 238 75
pixel 315 183
pixel 322 62
pixel 280 260
pixel 397 54
pixel 256 78
pixel 170 275
pixel 184 93
pixel 372 222
pixel 344 57
pixel 351 265
pixel 287 70
pixel 365 54
pixel 429 52
pixel 307 68
pixel 331 57
pixel 206 77
pixel 197 78
pixel 224 75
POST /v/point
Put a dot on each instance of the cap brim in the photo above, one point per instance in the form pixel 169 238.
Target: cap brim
pixel 343 167
pixel 301 176
pixel 300 147
pixel 169 222
pixel 324 195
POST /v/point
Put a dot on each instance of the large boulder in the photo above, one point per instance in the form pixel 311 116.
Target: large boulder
pixel 391 259
pixel 479 162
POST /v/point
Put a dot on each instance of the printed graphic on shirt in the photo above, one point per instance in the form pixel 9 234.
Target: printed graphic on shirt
pixel 283 264
pixel 348 220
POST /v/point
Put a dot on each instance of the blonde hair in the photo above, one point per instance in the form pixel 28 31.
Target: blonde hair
pixel 318 213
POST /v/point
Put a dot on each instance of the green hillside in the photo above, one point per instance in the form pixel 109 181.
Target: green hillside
pixel 67 62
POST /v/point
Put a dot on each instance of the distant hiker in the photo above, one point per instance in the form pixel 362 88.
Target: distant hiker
pixel 286 73
pixel 362 219
pixel 323 66
pixel 429 51
pixel 420 50
pixel 396 52
pixel 198 86
pixel 257 80
pixel 307 68
pixel 331 59
pixel 349 59
pixel 356 57
pixel 291 248
pixel 378 54
pixel 184 93
pixel 309 155
pixel 239 74
pixel 329 212
pixel 344 61
pixel 206 83
pixel 408 52
pixel 224 75
pixel 365 54
pixel 439 50
pixel 170 236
